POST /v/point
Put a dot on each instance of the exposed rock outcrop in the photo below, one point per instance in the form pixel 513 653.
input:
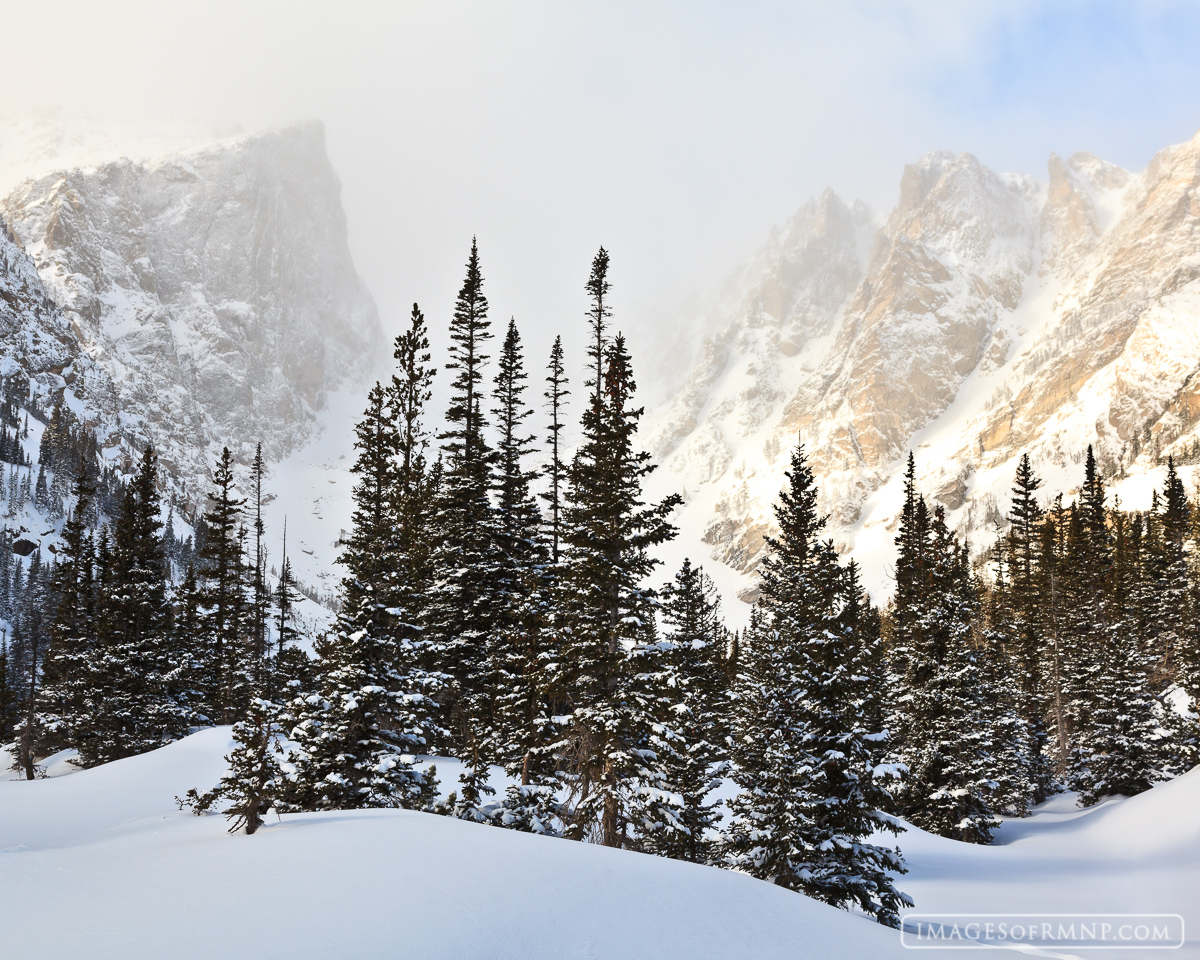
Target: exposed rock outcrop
pixel 210 294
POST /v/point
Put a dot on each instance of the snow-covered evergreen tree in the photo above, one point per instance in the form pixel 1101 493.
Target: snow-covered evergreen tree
pixel 1025 647
pixel 74 627
pixel 943 733
pixel 254 781
pixel 461 613
pixel 804 758
pixel 357 733
pixel 1175 618
pixel 27 650
pixel 520 648
pixel 694 693
pixel 223 570
pixel 1120 751
pixel 604 611
pixel 127 705
pixel 556 470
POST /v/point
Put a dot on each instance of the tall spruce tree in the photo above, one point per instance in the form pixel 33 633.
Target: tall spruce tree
pixel 556 472
pixel 1121 752
pixel 285 599
pixel 28 650
pixel 695 698
pixel 127 706
pixel 223 569
pixel 358 731
pixel 613 749
pixel 260 593
pixel 191 669
pixel 462 609
pixel 414 498
pixel 1025 648
pixel 9 699
pixel 804 756
pixel 943 734
pixel 1112 708
pixel 1015 747
pixel 1173 609
pixel 521 649
pixel 411 548
pixel 1050 579
pixel 74 627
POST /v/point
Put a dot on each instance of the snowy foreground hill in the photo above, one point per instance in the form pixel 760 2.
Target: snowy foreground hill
pixel 101 863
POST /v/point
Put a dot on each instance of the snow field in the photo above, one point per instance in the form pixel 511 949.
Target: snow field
pixel 101 864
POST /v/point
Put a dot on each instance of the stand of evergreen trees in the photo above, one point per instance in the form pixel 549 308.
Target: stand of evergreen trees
pixel 495 608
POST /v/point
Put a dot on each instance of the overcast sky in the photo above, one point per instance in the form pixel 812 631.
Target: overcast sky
pixel 675 134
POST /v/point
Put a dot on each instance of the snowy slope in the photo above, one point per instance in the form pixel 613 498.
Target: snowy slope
pixel 993 315
pixel 101 864
pixel 1136 855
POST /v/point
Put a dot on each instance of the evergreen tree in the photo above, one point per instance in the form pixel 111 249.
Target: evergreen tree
pixel 556 394
pixel 1053 618
pixel 186 682
pixel 943 734
pixel 413 501
pixel 598 314
pixel 358 731
pixel 369 587
pixel 293 669
pixel 695 697
pixel 1092 616
pixel 462 609
pixel 254 781
pixel 1089 582
pixel 223 570
pixel 1014 758
pixel 613 748
pixel 9 698
pixel 286 598
pixel 260 593
pixel 1173 609
pixel 414 529
pixel 74 628
pixel 126 707
pixel 1120 753
pixel 29 641
pixel 519 650
pixel 1017 631
pixel 803 756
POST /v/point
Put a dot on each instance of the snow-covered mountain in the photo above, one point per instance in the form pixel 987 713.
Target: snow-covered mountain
pixel 202 299
pixel 208 297
pixel 987 315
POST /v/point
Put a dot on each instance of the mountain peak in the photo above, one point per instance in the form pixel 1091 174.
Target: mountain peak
pixel 213 286
pixel 995 315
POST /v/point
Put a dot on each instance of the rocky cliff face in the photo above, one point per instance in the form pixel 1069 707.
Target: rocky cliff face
pixel 205 298
pixel 994 314
pixel 37 340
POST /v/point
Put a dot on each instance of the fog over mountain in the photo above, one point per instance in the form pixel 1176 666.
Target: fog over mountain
pixel 204 299
pixel 674 134
pixel 207 297
pixel 985 316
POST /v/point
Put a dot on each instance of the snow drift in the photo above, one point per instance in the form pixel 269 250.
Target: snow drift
pixel 101 863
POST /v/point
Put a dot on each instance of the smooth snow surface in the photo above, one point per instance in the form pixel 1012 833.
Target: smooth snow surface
pixel 101 864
